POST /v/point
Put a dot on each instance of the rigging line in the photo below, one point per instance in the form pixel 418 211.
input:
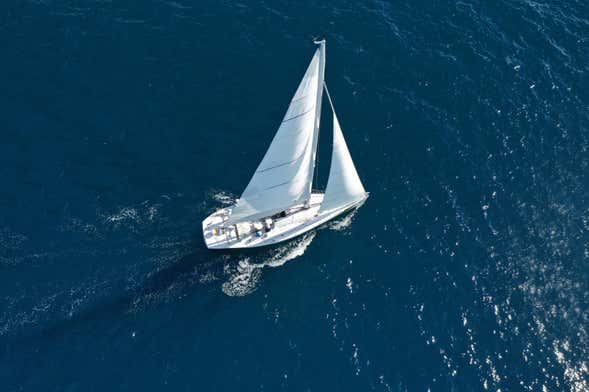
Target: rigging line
pixel 316 161
pixel 328 97
pixel 333 110
pixel 315 174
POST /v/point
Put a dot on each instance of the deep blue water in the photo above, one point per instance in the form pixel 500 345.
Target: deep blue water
pixel 123 124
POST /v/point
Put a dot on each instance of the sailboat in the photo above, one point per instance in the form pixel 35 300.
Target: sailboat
pixel 279 202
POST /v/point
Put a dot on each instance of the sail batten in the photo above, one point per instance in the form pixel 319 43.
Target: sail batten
pixel 281 164
pixel 298 115
pixel 298 99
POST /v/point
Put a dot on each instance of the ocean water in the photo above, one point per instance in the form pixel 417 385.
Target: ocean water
pixel 125 123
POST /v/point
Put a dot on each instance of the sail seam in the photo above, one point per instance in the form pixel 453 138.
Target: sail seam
pixel 298 99
pixel 277 185
pixel 298 115
pixel 285 163
pixel 282 164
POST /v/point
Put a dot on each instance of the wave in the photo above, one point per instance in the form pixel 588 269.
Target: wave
pixel 245 276
pixel 225 198
pixel 10 242
pixel 342 223
pixel 290 251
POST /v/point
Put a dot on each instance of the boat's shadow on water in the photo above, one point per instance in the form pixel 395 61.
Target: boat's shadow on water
pixel 232 272
pixel 180 277
pixel 201 267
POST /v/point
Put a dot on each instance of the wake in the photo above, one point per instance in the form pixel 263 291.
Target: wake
pixel 244 279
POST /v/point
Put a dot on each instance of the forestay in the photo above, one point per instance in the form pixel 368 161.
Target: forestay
pixel 343 186
pixel 283 178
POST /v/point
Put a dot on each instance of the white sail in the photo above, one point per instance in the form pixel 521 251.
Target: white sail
pixel 343 186
pixel 284 176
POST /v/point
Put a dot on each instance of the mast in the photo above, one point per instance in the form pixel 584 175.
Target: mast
pixel 320 82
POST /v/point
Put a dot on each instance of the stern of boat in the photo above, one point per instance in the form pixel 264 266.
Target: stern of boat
pixel 214 233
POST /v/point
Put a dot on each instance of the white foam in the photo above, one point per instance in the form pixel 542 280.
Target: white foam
pixel 243 280
pixel 290 251
pixel 343 223
pixel 223 197
pixel 575 372
pixel 245 275
pixel 124 214
pixel 350 285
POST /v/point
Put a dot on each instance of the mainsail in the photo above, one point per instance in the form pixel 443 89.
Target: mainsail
pixel 285 174
pixel 343 186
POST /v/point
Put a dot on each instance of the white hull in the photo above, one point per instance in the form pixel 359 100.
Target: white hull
pixel 297 221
